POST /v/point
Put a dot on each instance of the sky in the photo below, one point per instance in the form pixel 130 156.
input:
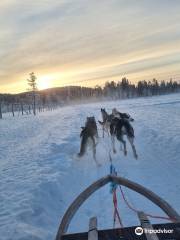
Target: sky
pixel 87 42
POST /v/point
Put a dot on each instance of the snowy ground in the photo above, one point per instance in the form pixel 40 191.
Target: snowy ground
pixel 40 174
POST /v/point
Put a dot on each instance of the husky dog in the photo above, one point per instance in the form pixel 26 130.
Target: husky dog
pixel 107 118
pixel 119 128
pixel 120 115
pixel 106 121
pixel 89 132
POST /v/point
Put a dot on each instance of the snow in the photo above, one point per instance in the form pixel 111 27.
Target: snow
pixel 40 174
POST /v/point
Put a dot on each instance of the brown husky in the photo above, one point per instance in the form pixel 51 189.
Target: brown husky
pixel 88 132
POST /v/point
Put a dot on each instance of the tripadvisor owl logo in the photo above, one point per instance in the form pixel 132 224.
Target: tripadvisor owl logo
pixel 139 231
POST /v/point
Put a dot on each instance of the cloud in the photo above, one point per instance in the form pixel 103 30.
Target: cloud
pixel 87 41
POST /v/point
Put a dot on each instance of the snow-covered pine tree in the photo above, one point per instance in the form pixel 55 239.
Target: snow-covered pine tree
pixel 33 88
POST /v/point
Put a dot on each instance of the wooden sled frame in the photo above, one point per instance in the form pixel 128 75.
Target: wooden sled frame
pixel 118 180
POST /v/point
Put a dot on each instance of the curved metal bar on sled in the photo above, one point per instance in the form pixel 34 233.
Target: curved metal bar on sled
pixel 118 180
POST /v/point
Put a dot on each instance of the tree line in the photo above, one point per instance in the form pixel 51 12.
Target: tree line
pixel 34 101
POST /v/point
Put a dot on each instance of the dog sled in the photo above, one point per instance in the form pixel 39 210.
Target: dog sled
pixel 145 231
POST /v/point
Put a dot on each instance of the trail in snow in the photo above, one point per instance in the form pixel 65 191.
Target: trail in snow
pixel 40 174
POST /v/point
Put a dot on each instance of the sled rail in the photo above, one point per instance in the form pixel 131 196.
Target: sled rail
pixel 145 223
pixel 118 180
pixel 93 232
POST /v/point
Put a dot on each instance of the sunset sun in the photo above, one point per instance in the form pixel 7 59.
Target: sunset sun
pixel 44 83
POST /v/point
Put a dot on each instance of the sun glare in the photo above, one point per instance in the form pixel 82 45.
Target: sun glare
pixel 44 83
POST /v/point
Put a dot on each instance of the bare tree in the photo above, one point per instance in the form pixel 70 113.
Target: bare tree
pixel 22 108
pixel 33 88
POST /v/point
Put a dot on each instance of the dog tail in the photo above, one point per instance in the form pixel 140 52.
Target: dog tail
pixel 82 131
pixel 83 146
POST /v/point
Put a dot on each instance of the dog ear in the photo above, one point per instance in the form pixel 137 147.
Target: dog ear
pixel 82 128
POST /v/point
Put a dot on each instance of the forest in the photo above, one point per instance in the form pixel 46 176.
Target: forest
pixel 34 101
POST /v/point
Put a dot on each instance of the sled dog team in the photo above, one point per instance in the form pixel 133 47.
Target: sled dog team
pixel 116 125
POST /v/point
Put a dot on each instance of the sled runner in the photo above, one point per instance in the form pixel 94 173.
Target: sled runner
pixel 122 233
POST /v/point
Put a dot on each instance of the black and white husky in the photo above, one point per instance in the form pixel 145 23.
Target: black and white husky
pixel 107 118
pixel 118 124
pixel 89 132
pixel 120 127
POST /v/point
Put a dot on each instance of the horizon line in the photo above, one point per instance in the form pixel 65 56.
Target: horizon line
pixel 100 85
